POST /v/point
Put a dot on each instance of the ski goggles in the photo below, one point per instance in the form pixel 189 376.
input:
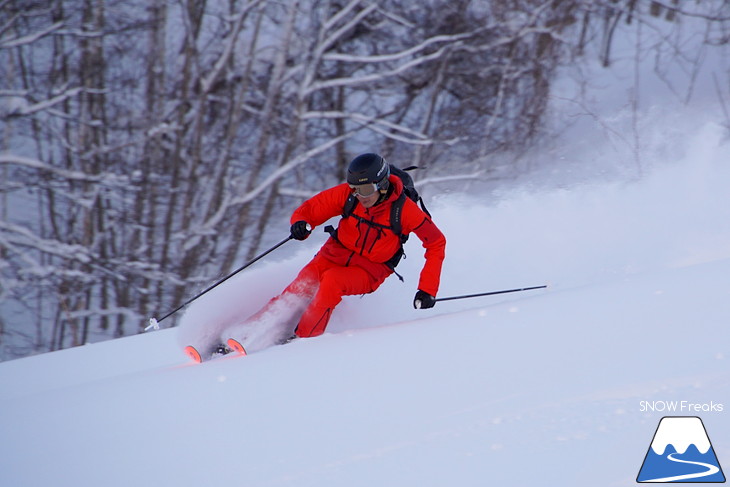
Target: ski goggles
pixel 364 190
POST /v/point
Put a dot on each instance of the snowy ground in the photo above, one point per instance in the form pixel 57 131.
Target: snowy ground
pixel 540 388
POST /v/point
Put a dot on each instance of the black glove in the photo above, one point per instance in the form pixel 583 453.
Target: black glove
pixel 300 230
pixel 423 300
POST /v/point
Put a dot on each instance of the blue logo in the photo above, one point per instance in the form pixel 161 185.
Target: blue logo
pixel 681 452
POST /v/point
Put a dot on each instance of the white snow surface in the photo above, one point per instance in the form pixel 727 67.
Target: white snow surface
pixel 539 388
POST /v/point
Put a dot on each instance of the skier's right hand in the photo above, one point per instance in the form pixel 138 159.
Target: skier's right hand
pixel 300 230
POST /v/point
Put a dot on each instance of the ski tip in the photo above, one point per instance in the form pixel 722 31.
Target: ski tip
pixel 236 345
pixel 191 352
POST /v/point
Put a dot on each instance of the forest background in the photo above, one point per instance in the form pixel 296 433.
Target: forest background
pixel 150 147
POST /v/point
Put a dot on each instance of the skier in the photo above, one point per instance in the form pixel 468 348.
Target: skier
pixel 365 248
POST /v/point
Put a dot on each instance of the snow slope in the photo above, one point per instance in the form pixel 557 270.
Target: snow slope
pixel 540 388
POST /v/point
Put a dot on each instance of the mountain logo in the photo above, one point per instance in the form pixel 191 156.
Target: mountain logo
pixel 681 452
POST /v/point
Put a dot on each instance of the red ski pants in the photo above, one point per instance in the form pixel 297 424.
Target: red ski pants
pixel 324 283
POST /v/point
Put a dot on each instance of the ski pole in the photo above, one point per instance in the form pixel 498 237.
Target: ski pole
pixel 154 323
pixel 465 296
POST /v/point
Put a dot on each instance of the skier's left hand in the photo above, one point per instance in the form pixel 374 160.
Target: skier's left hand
pixel 423 300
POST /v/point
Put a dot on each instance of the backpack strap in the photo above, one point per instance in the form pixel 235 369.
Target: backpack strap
pixel 423 207
pixel 350 205
pixel 396 213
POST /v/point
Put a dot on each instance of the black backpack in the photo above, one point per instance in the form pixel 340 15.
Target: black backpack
pixel 409 191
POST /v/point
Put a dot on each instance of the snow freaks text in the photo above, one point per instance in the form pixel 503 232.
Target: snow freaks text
pixel 683 407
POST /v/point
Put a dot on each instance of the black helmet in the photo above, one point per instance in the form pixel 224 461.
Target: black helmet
pixel 368 168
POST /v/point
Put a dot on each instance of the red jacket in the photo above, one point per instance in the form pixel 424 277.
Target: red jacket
pixel 369 246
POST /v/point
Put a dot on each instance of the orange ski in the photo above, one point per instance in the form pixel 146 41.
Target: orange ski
pixel 234 344
pixel 191 352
